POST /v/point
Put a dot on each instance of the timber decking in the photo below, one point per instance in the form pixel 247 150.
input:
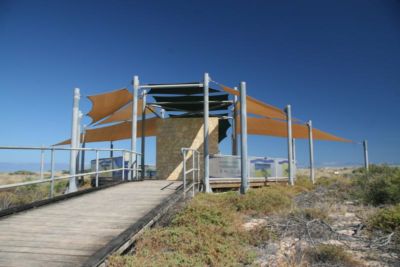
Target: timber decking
pixel 68 232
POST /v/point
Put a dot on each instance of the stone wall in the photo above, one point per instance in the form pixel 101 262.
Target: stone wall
pixel 176 133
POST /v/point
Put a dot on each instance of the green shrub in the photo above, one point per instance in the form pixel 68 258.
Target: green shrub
pixel 381 185
pixel 209 231
pixel 386 219
pixel 330 254
pixel 259 235
pixel 265 200
pixel 304 182
pixel 339 188
pixel 315 213
pixel 7 200
pixel 22 172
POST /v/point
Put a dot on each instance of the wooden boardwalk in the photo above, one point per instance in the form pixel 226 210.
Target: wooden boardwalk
pixel 69 232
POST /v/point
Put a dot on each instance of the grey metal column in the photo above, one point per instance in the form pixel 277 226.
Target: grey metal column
pixel 311 145
pixel 206 82
pixel 72 160
pixel 234 131
pixel 366 161
pixel 244 185
pixel 294 149
pixel 78 141
pixel 290 145
pixel 294 159
pixel 135 90
pixel 143 141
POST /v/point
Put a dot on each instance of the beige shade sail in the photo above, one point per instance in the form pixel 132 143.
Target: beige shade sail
pixel 125 113
pixel 265 126
pixel 108 103
pixel 118 132
pixel 257 107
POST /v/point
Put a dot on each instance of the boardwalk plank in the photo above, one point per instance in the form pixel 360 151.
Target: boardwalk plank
pixel 68 232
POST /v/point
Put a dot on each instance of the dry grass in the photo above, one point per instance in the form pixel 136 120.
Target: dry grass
pixel 29 193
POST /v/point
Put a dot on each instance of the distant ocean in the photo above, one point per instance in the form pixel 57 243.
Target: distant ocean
pixel 29 166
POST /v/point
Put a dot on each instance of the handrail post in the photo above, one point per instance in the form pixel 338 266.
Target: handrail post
pixel 198 170
pixel 52 172
pixel 97 168
pixel 193 171
pixel 136 167
pixel 130 166
pixel 123 166
pixel 41 164
pixel 184 171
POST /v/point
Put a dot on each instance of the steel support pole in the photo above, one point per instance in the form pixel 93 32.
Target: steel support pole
pixel 366 161
pixel 294 157
pixel 311 146
pixel 290 145
pixel 234 130
pixel 206 83
pixel 244 185
pixel 134 124
pixel 143 141
pixel 294 149
pixel 72 161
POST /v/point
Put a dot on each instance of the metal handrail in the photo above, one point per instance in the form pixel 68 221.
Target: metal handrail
pixel 53 178
pixel 65 148
pixel 195 170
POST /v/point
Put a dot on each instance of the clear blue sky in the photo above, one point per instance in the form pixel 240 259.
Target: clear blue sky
pixel 337 63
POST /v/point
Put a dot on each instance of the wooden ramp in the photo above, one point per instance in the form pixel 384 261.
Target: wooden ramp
pixel 71 232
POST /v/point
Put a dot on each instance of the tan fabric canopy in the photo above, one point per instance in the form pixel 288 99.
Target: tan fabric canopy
pixel 108 103
pixel 125 113
pixel 257 107
pixel 265 126
pixel 118 132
